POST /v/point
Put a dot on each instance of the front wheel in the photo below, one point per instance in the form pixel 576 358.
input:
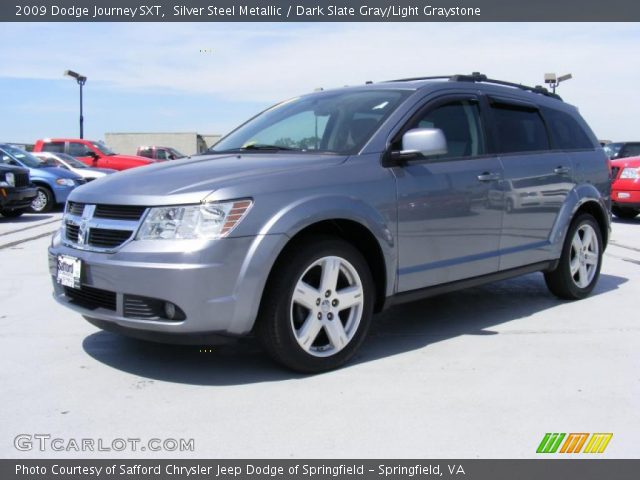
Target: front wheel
pixel 579 267
pixel 44 200
pixel 318 306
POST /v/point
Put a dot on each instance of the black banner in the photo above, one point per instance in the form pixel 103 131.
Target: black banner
pixel 583 469
pixel 320 11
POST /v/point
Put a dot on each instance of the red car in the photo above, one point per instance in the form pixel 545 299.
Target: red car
pixel 625 189
pixel 94 154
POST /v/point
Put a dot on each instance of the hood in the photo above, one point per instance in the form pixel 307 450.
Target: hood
pixel 57 172
pixel 626 162
pixel 91 170
pixel 191 179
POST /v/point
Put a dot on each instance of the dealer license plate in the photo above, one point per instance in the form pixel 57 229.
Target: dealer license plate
pixel 69 270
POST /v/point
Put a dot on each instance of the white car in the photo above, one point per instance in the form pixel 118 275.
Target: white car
pixel 68 162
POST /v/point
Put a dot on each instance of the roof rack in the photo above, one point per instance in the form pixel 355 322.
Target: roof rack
pixel 481 78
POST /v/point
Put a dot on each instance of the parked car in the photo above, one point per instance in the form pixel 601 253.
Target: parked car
pixel 16 190
pixel 160 153
pixel 318 212
pixel 64 160
pixel 625 189
pixel 53 184
pixel 622 149
pixel 91 153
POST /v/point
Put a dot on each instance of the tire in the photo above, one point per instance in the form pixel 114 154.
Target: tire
pixel 303 324
pixel 11 213
pixel 44 200
pixel 624 213
pixel 509 207
pixel 579 267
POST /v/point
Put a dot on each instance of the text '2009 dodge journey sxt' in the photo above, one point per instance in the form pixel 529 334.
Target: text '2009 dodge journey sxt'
pixel 320 211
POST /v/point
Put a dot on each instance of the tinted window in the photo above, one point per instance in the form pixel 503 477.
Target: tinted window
pixel 145 152
pixel 57 147
pixel 519 129
pixel 630 150
pixel 565 131
pixel 460 122
pixel 78 149
pixel 612 150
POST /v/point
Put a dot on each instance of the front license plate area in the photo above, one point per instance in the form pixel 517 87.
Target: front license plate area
pixel 69 271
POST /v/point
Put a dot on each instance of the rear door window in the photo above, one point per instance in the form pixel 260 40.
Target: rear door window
pixel 78 149
pixel 519 129
pixel 55 147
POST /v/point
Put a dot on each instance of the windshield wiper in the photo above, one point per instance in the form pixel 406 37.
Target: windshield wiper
pixel 257 147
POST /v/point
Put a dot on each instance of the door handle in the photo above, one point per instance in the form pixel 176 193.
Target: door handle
pixel 560 170
pixel 488 177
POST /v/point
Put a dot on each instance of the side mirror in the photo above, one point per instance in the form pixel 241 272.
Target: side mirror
pixel 425 141
pixel 417 144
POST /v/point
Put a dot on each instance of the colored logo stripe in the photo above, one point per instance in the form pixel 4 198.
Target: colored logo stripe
pixel 598 442
pixel 550 443
pixel 574 442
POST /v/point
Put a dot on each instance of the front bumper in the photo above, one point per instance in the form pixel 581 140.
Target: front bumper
pixel 61 192
pixel 17 198
pixel 217 284
pixel 625 197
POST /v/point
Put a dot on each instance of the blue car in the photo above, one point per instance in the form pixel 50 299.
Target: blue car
pixel 54 184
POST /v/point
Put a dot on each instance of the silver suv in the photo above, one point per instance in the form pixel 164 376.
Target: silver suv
pixel 326 208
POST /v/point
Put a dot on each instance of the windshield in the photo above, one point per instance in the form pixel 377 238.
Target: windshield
pixel 176 154
pixel 71 161
pixel 21 156
pixel 612 150
pixel 335 122
pixel 103 148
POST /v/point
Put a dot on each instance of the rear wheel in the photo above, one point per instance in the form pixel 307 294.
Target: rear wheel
pixel 44 200
pixel 625 213
pixel 11 213
pixel 318 306
pixel 579 266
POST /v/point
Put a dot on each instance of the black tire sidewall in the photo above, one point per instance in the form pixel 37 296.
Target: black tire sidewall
pixel 275 324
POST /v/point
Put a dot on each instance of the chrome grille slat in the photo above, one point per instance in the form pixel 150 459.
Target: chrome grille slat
pixel 103 228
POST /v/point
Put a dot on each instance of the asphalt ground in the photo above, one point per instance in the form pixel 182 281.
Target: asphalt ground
pixel 480 373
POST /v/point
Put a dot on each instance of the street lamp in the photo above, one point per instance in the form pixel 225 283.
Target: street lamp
pixel 554 81
pixel 81 81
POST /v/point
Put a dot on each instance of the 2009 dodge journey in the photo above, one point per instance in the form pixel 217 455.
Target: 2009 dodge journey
pixel 326 208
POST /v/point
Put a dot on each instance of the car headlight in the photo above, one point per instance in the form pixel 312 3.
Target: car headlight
pixel 67 182
pixel 9 180
pixel 209 221
pixel 632 173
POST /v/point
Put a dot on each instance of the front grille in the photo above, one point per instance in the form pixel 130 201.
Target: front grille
pixel 103 238
pixel 72 232
pixel 75 208
pixel 614 172
pixel 119 212
pixel 22 179
pixel 91 298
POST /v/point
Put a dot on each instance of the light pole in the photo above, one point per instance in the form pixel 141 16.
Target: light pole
pixel 554 81
pixel 81 81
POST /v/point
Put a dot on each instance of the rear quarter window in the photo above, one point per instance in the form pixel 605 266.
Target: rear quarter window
pixel 54 147
pixel 566 132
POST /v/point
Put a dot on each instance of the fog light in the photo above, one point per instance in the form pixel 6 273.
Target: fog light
pixel 170 310
pixel 624 195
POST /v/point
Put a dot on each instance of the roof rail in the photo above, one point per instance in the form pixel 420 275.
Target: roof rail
pixel 481 78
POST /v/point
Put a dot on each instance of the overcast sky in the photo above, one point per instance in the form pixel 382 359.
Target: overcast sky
pixel 208 77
